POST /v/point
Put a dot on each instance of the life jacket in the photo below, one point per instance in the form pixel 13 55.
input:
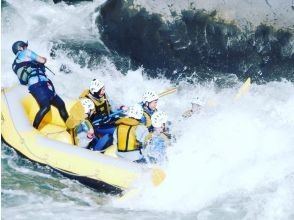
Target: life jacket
pixel 102 105
pixel 76 115
pixel 126 136
pixel 26 70
pixel 147 113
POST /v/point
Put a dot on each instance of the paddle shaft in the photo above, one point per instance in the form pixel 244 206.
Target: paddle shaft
pixel 49 70
pixel 96 122
pixel 168 91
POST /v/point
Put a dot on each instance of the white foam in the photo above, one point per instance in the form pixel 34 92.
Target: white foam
pixel 236 149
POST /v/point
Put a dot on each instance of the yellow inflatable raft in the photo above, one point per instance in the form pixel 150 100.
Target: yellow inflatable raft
pixel 51 145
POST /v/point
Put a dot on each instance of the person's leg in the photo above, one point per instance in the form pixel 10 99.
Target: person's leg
pixel 103 143
pixel 104 130
pixel 60 105
pixel 42 97
pixel 40 115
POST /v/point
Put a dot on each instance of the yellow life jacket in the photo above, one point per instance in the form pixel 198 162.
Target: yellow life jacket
pixel 76 115
pixel 102 105
pixel 148 122
pixel 126 136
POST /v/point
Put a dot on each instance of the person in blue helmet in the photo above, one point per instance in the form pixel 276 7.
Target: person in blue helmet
pixel 30 70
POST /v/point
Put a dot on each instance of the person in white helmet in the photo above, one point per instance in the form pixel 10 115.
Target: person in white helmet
pixel 197 105
pixel 103 108
pixel 129 135
pixel 78 121
pixel 149 105
pixel 97 94
pixel 157 140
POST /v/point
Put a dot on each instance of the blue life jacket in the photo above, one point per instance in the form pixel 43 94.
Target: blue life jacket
pixel 26 70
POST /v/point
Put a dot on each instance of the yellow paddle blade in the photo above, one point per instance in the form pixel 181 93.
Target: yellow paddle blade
pixel 168 91
pixel 241 92
pixel 76 115
pixel 77 110
pixel 243 89
pixel 158 175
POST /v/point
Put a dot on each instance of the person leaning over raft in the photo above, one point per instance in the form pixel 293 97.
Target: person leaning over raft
pixel 81 128
pixel 30 70
pixel 149 105
pixel 157 140
pixel 129 135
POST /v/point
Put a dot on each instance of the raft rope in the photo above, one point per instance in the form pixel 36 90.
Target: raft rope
pixel 45 159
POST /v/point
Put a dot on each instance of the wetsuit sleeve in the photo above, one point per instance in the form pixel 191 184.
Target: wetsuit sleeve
pixel 26 56
pixel 32 55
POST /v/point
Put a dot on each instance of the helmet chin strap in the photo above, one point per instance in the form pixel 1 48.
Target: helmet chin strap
pixel 97 94
pixel 147 105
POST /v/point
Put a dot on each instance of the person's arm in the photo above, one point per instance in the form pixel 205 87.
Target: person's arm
pixel 114 107
pixel 41 60
pixel 90 133
pixel 35 57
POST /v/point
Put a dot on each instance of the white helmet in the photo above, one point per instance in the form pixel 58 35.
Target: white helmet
pixel 96 85
pixel 88 105
pixel 135 111
pixel 197 101
pixel 158 118
pixel 150 96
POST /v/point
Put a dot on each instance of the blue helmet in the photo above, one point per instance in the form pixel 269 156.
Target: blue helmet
pixel 17 44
